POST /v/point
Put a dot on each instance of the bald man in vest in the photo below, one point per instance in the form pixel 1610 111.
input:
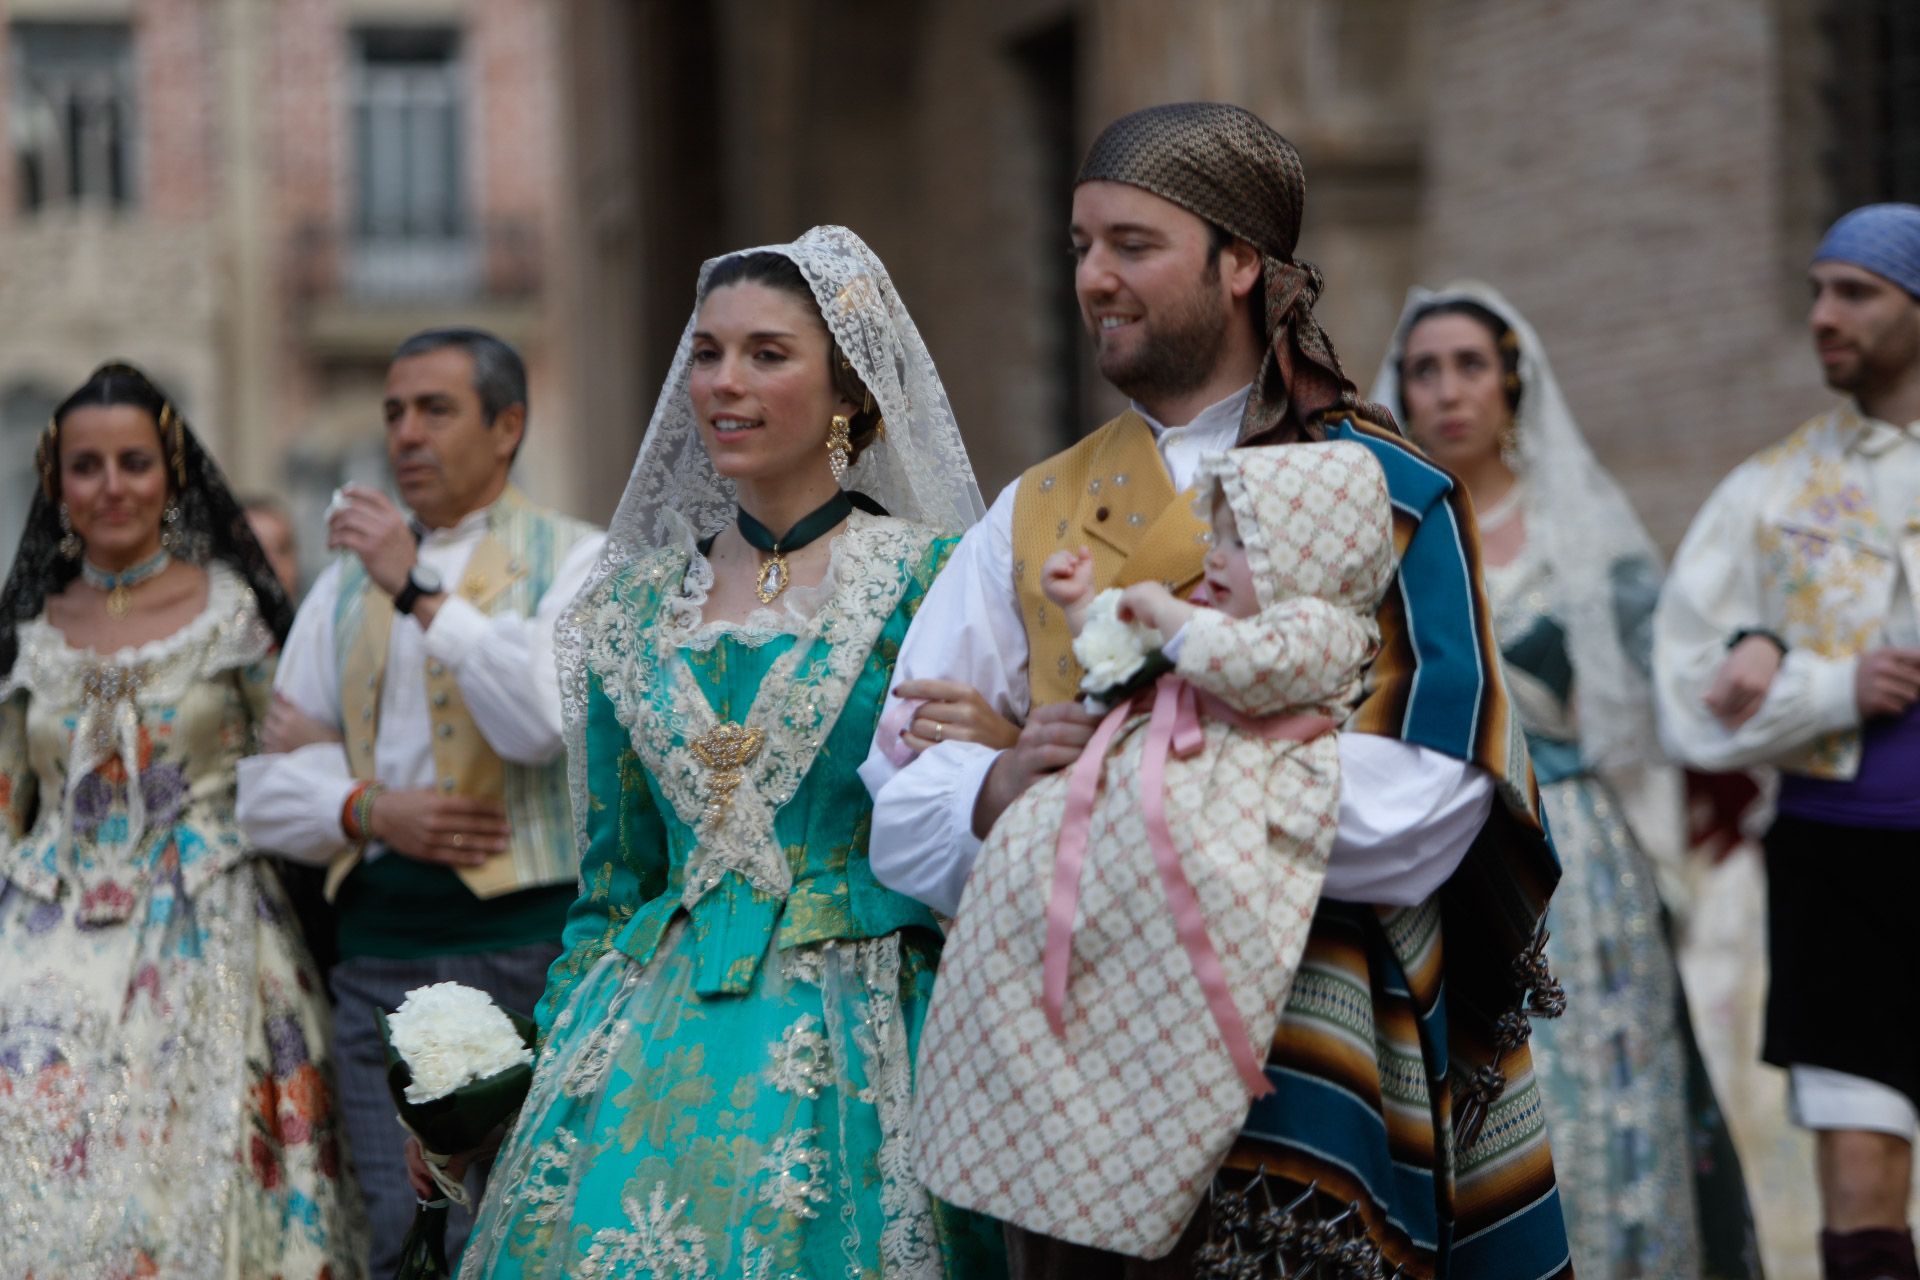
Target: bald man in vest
pixel 1185 219
pixel 418 734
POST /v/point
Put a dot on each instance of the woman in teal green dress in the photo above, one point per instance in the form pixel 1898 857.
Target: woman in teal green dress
pixel 727 1040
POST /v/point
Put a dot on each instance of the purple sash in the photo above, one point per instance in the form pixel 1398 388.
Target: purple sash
pixel 1886 792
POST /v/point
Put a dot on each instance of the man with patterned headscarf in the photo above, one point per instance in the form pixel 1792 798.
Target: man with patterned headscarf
pixel 1403 1111
pixel 1787 636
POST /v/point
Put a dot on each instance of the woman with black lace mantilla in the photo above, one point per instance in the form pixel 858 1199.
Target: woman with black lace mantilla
pixel 166 1104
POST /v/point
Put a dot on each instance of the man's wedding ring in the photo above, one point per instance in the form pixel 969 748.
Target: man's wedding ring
pixel 459 839
pixel 939 732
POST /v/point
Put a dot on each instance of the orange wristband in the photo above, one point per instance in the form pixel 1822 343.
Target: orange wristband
pixel 348 823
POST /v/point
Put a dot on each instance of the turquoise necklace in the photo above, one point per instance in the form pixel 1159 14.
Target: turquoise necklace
pixel 775 576
pixel 119 586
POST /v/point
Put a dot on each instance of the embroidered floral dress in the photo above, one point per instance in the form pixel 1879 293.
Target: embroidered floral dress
pixel 723 1085
pixel 166 1108
pixel 1651 1184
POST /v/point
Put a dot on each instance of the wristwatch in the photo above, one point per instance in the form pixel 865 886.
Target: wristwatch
pixel 1769 636
pixel 421 581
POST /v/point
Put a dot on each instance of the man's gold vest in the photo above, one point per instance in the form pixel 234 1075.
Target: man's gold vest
pixel 1111 493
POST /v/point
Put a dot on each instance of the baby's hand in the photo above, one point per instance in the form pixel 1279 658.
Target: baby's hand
pixel 1151 603
pixel 1067 577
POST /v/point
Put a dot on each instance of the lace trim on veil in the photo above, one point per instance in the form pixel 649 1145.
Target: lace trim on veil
pixel 1581 525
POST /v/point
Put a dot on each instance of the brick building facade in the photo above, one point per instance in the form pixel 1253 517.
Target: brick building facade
pixel 1645 181
pixel 256 200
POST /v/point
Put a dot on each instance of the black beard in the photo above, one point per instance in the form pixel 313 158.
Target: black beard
pixel 1184 347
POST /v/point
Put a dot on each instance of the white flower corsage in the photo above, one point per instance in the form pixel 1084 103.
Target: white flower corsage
pixel 1115 654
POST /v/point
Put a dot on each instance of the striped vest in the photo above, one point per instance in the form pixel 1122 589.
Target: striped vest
pixel 508 573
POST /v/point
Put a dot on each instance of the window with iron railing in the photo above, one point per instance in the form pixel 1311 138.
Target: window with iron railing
pixel 411 227
pixel 1872 92
pixel 73 115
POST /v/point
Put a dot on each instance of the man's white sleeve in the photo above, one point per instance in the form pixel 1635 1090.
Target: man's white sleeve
pixel 290 804
pixel 504 664
pixel 1713 592
pixel 968 629
pixel 1408 814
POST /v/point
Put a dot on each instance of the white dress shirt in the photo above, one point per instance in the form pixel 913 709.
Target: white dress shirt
pixel 1714 590
pixel 1407 814
pixel 503 664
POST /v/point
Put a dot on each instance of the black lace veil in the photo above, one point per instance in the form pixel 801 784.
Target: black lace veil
pixel 212 524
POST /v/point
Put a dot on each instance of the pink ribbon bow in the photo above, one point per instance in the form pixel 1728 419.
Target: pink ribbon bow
pixel 1174 730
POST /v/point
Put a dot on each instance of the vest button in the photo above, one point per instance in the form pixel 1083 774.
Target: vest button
pixel 436 668
pixel 445 731
pixel 440 699
pixel 446 786
pixel 1102 514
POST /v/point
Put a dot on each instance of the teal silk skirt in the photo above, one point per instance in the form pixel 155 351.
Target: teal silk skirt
pixel 761 1135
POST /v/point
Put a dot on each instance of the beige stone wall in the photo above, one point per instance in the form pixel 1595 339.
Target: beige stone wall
pixel 1626 174
pixel 1640 177
pixel 946 134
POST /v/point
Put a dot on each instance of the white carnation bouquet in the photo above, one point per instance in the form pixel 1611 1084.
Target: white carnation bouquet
pixel 458 1067
pixel 1119 656
pixel 450 1035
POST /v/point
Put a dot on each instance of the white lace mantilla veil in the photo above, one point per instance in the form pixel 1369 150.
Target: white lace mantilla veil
pixel 1579 520
pixel 918 470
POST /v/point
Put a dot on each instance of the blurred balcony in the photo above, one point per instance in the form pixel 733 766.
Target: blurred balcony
pixel 356 295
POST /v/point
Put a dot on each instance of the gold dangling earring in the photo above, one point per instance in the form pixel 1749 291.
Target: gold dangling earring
pixel 1510 448
pixel 70 545
pixel 170 539
pixel 839 445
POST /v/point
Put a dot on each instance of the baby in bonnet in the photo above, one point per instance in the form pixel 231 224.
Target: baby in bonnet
pixel 1132 926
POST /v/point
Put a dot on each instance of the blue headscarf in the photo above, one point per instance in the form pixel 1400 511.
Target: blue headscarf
pixel 1883 238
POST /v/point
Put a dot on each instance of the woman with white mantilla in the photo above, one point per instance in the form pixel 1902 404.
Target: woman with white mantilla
pixel 728 1037
pixel 1648 1176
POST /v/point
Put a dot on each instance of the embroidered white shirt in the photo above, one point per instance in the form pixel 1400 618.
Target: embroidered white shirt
pixel 1714 590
